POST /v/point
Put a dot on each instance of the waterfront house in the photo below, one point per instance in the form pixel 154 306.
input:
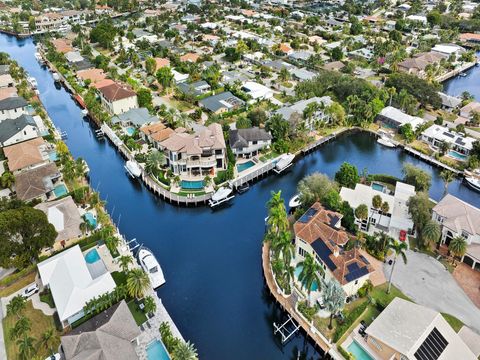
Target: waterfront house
pixel 296 110
pixel 37 183
pixel 199 154
pixel 110 335
pixel 436 135
pixel 408 331
pixel 12 107
pixel 14 131
pixel 257 91
pixel 221 103
pixel 93 76
pixel 449 49
pixel 470 38
pixel 458 218
pixel 73 282
pixel 396 118
pixel 468 110
pixel 249 142
pixel 26 155
pixel 63 214
pixel 319 233
pixel 135 117
pixel 416 65
pixel 117 99
pixel 449 102
pixel 396 219
pixel 196 88
pixel 6 81
pixel 155 133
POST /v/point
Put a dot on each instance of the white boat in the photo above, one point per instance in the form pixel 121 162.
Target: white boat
pixel 85 112
pixel 56 77
pixel 38 56
pixel 295 201
pixel 474 183
pixel 32 81
pixel 150 265
pixel 383 140
pixel 462 74
pixel 284 162
pixel 133 169
pixel 222 195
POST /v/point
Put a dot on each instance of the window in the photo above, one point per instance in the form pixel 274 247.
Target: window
pixel 356 282
pixel 302 251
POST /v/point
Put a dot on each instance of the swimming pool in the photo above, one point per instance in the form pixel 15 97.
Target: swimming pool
pixel 91 219
pixel 457 155
pixel 92 256
pixel 378 187
pixel 298 270
pixel 192 185
pixel 245 166
pixel 53 156
pixel 60 190
pixel 358 352
pixel 156 351
pixel 130 130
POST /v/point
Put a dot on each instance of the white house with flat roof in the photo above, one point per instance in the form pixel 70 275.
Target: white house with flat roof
pixel 257 91
pixel 397 118
pixel 408 331
pixel 73 282
pixel 392 221
pixel 435 135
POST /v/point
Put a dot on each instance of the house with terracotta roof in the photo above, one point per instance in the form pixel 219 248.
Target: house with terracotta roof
pixel 161 63
pixel 155 133
pixel 285 49
pixel 199 154
pixel 190 57
pixel 417 64
pixel 62 45
pixel 118 99
pixel 26 155
pixel 94 76
pixel 319 233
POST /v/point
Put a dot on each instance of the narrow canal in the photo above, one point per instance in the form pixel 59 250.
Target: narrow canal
pixel 212 261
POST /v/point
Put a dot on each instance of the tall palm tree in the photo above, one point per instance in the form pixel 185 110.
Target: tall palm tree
pixel 361 212
pixel 283 246
pixel 458 247
pixel 277 214
pixel 25 347
pixel 377 202
pixel 21 327
pixel 447 177
pixel 333 298
pixel 137 282
pixel 310 274
pixel 399 249
pixel 150 306
pixel 385 208
pixel 185 351
pixel 16 305
pixel 124 261
pixel 47 339
pixel 431 233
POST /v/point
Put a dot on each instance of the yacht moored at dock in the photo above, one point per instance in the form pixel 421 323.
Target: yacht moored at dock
pixel 294 201
pixel 150 265
pixel 284 163
pixel 56 77
pixel 133 169
pixel 32 81
pixel 222 195
pixel 385 141
pixel 473 182
pixel 243 188
pixel 38 56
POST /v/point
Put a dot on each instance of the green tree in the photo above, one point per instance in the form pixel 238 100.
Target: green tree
pixel 144 97
pixel 184 351
pixel 447 177
pixel 336 54
pixel 278 127
pixel 277 214
pixel 347 175
pixel 419 208
pixel 16 306
pixel 165 77
pixel 444 147
pixel 399 249
pixel 361 212
pixel 458 247
pixel 150 65
pixel 137 283
pixel 315 187
pixel 26 348
pixel 333 298
pixel 407 132
pixel 124 261
pixel 150 306
pixel 21 327
pixel 431 233
pixel 310 274
pixel 377 202
pixel 417 177
pixel 47 340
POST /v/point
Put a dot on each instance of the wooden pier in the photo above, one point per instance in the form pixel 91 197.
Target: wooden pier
pixel 253 175
pixel 316 144
pixel 431 160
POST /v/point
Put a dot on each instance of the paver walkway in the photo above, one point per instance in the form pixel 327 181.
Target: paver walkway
pixel 469 281
pixel 377 277
pixel 39 305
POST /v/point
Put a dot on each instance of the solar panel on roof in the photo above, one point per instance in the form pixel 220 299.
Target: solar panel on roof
pixel 356 274
pixel 449 134
pixel 432 347
pixel 353 267
pixel 323 251
pixel 459 141
pixel 333 220
pixel 305 218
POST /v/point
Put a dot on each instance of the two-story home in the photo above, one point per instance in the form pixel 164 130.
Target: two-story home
pixel 16 130
pixel 435 135
pixel 318 232
pixel 196 88
pixel 318 116
pixel 117 99
pixel 26 155
pixel 199 154
pixel 458 218
pixel 221 103
pixel 248 142
pixel 12 107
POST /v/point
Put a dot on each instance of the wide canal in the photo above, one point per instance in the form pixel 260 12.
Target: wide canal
pixel 212 261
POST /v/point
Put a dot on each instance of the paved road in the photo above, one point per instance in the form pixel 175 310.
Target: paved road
pixel 427 282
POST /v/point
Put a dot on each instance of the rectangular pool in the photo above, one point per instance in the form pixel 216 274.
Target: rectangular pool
pixel 60 190
pixel 156 351
pixel 130 130
pixel 378 187
pixel 192 185
pixel 457 155
pixel 358 352
pixel 245 166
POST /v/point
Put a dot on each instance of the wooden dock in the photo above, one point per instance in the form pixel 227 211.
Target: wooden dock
pixel 288 304
pixel 316 144
pixel 431 160
pixel 253 175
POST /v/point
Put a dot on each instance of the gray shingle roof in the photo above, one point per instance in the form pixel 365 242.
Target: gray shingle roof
pixel 10 127
pixel 14 102
pixel 239 138
pixel 194 88
pixel 224 100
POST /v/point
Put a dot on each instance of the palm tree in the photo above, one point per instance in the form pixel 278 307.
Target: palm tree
pixel 333 298
pixel 21 327
pixel 385 208
pixel 124 261
pixel 16 306
pixel 277 214
pixel 282 245
pixel 185 351
pixel 377 202
pixel 47 339
pixel 150 306
pixel 431 233
pixel 444 147
pixel 447 177
pixel 137 283
pixel 25 347
pixel 7 180
pixel 399 249
pixel 458 247
pixel 112 243
pixel 154 160
pixel 383 239
pixel 309 274
pixel 361 212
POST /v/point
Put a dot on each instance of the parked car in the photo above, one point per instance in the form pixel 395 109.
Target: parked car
pixel 29 291
pixel 54 357
pixel 403 235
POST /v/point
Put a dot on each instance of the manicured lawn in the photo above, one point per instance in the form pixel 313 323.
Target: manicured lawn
pixel 17 285
pixel 39 323
pixel 455 323
pixel 137 313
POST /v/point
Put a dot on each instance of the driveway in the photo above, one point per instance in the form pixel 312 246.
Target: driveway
pixel 469 281
pixel 427 282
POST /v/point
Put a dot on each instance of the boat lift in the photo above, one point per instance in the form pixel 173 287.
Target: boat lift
pixel 99 134
pixel 284 331
pixel 278 172
pixel 214 203
pixel 135 244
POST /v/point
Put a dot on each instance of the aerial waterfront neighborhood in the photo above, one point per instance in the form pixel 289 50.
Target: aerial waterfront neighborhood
pixel 239 180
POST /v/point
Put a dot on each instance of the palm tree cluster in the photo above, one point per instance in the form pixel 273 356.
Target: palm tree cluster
pixel 178 349
pixel 104 301
pixel 280 239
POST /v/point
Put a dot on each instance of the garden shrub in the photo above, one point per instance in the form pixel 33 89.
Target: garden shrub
pixel 349 320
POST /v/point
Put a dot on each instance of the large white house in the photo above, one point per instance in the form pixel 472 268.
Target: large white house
pixel 117 99
pixel 435 135
pixel 73 282
pixel 288 113
pixel 12 107
pixel 13 131
pixel 257 91
pixel 392 221
pixel 397 118
pixel 248 142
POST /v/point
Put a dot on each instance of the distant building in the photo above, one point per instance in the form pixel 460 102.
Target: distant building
pixel 248 142
pixel 16 130
pixel 117 99
pixel 12 107
pixel 435 135
pixel 296 110
pixel 196 88
pixel 221 103
pixel 257 91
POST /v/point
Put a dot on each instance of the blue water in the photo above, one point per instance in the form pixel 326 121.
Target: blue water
pixel 215 291
pixel 91 219
pixel 53 156
pixel 457 155
pixel 92 256
pixel 245 166
pixel 60 190
pixel 156 351
pixel 378 187
pixel 471 83
pixel 298 270
pixel 130 130
pixel 192 185
pixel 358 352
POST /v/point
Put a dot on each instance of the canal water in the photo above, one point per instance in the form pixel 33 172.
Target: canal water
pixel 471 83
pixel 212 260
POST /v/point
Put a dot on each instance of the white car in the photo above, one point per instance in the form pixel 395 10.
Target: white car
pixel 54 357
pixel 29 291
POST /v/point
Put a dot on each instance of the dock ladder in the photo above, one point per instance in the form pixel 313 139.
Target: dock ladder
pixel 284 331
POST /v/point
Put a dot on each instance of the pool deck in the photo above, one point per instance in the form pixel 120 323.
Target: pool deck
pixel 355 336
